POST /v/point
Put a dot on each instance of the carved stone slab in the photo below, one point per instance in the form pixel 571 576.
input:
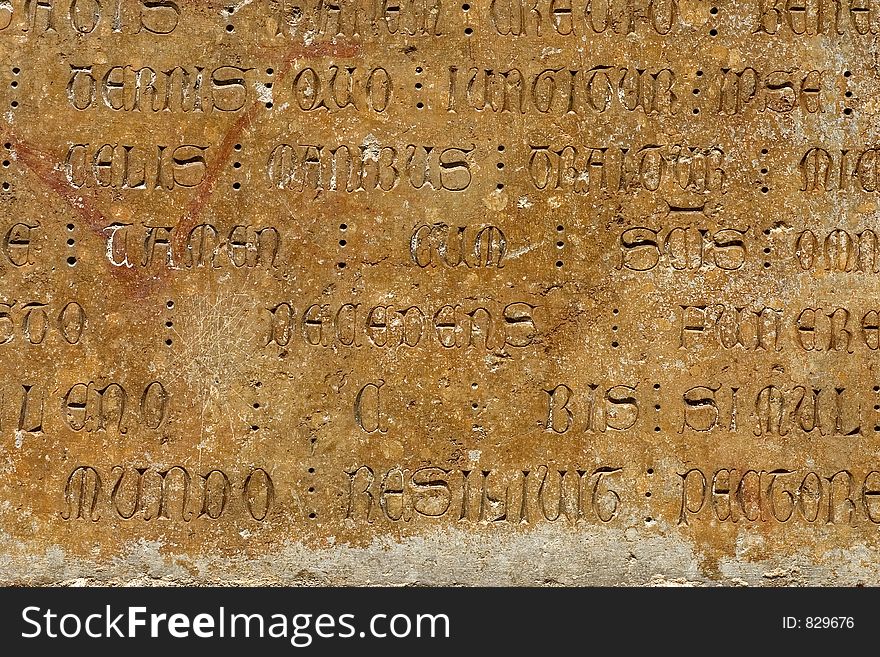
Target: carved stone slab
pixel 490 292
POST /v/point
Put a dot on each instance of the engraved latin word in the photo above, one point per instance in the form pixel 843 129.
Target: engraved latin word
pixel 343 168
pixel 812 17
pixel 35 322
pixel 359 19
pixel 177 89
pixel 823 170
pixel 17 243
pixel 838 250
pixel 86 17
pixel 583 17
pixel 730 326
pixel 483 496
pixel 341 86
pixel 772 410
pixel 591 170
pixel 601 409
pixel 119 166
pixel 89 407
pixel 779 495
pixel 780 91
pixel 204 246
pixel 173 493
pixel 562 91
pixel 488 327
pixel 368 408
pixel 682 248
pixel 451 246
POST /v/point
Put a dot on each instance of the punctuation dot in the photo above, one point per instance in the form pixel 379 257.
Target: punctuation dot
pixel 418 69
pixel 418 85
pixel 764 190
pixel 713 10
pixel 69 226
pixel 713 32
pixel 876 388
pixel 848 94
pixel 614 311
pixel 236 185
pixel 71 261
pixel 342 242
pixel 170 304
pixel 876 428
pixel 767 249
pixel 657 429
pixel 71 242
pixel 473 386
pixel 764 171
pixel 465 7
pixel 696 110
pixel 169 342
pixel 699 74
pixel 647 493
pixel 237 147
pixel 6 185
pixel 343 226
pixel 230 28
pixel 16 70
pixel 255 427
pixel 560 244
pixel 560 228
pixel 237 165
pixel 500 165
pixel 474 406
pixel 169 324
pixel 6 163
pixel 763 151
pixel 341 265
pixel 311 471
pixel 656 386
pixel 615 344
pixel 468 31
pixel 613 328
pixel 559 263
pixel 766 231
pixel 766 265
pixel 269 105
pixel 14 84
pixel 847 111
pixel 270 71
pixel 313 515
pixel 877 407
pixel 499 186
pixel 846 74
pixel 268 85
pixel 649 520
pixel 650 471
pixel 256 404
pixel 500 148
pixel 656 407
pixel 7 145
pixel 420 105
pixel 258 384
pixel 311 489
pixel 363 634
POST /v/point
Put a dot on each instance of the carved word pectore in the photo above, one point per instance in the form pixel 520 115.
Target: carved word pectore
pixel 586 170
pixel 838 250
pixel 371 166
pixel 841 170
pixel 780 91
pixel 341 87
pixel 602 409
pixel 244 246
pixel 145 89
pixel 491 327
pixel 815 17
pixel 537 494
pixel 682 248
pixel 809 329
pixel 34 321
pixel 89 407
pixel 87 17
pixel 562 91
pixel 583 17
pixel 772 410
pixel 120 166
pixel 779 495
pixel 358 19
pixel 173 493
pixel 440 244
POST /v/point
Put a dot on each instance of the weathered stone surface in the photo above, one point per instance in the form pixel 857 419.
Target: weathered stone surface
pixel 444 293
